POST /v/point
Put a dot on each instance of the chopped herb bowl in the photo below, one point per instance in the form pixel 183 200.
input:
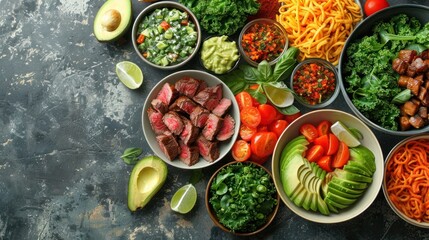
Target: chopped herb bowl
pixel 262 39
pixel 166 35
pixel 241 198
pixel 315 83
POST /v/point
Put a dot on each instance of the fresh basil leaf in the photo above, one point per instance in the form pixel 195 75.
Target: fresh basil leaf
pixel 402 97
pixel 131 155
pixel 260 97
pixel 290 110
pixel 249 73
pixel 286 64
pixel 265 71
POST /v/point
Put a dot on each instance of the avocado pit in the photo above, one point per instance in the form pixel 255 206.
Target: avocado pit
pixel 111 20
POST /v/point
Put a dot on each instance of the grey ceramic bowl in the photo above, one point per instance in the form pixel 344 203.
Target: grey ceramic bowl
pixel 171 5
pixel 363 29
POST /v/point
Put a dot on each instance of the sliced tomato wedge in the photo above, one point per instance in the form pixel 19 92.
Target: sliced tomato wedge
pixel 342 156
pixel 278 127
pixel 314 153
pixel 322 141
pixel 246 132
pixel 244 99
pixel 263 144
pixel 268 113
pixel 250 116
pixel 325 162
pixel 309 131
pixel 324 127
pixel 333 144
pixel 241 151
pixel 165 25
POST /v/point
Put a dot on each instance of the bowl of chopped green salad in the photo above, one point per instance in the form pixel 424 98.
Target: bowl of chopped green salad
pixel 241 198
pixel 384 70
pixel 166 35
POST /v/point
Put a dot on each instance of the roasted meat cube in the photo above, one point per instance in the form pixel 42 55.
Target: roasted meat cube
pixel 167 94
pixel 407 55
pixel 222 107
pixel 212 127
pixel 208 150
pixel 199 116
pixel 414 85
pixel 416 121
pixel 187 86
pixel 159 105
pixel 155 120
pixel 400 66
pixel 189 133
pixel 227 129
pixel 403 81
pixel 185 104
pixel 188 154
pixel 168 145
pixel 209 97
pixel 174 122
pixel 404 123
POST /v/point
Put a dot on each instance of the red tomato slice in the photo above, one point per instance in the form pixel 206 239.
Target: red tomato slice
pixel 325 163
pixel 291 118
pixel 165 25
pixel 241 151
pixel 323 127
pixel 333 144
pixel 342 156
pixel 278 127
pixel 246 132
pixel 314 153
pixel 309 131
pixel 250 116
pixel 244 99
pixel 260 160
pixel 322 141
pixel 268 113
pixel 263 144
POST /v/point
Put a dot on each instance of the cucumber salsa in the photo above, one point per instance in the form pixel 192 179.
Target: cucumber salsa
pixel 166 37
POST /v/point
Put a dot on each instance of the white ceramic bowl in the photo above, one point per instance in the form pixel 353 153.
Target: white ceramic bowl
pixel 211 80
pixel 369 140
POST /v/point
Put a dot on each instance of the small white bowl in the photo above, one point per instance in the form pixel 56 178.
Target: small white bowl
pixel 369 140
pixel 224 147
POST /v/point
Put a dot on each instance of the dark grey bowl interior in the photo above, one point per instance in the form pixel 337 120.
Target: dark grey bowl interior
pixel 365 28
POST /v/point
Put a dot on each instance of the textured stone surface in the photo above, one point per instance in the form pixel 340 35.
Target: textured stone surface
pixel 65 120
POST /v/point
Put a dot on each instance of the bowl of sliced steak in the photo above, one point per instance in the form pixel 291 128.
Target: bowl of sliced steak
pixel 190 119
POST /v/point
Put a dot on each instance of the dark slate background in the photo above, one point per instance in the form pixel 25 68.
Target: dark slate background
pixel 65 120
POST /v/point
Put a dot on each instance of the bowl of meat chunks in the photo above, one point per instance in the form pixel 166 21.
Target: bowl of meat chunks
pixel 190 119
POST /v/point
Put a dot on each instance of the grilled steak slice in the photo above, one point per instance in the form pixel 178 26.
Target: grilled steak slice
pixel 407 55
pixel 417 121
pixel 155 120
pixel 212 127
pixel 168 145
pixel 203 85
pixel 159 105
pixel 414 85
pixel 199 116
pixel 209 97
pixel 400 66
pixel 208 150
pixel 410 108
pixel 167 94
pixel 189 154
pixel 222 107
pixel 189 133
pixel 174 122
pixel 227 129
pixel 185 104
pixel 187 86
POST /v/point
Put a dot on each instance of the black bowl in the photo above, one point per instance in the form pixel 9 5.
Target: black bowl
pixel 365 28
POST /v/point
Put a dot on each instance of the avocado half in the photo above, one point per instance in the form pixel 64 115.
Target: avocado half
pixel 147 177
pixel 113 20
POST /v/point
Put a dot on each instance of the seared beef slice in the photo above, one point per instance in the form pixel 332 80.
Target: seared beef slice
pixel 222 107
pixel 199 116
pixel 167 94
pixel 212 127
pixel 155 120
pixel 188 154
pixel 227 129
pixel 185 104
pixel 168 145
pixel 209 97
pixel 189 133
pixel 208 150
pixel 187 86
pixel 174 122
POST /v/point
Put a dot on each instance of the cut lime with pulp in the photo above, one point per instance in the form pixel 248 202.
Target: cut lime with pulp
pixel 344 134
pixel 130 74
pixel 184 199
pixel 280 97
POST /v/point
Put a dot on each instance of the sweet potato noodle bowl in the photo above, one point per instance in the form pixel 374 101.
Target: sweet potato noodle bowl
pixel 319 28
pixel 406 184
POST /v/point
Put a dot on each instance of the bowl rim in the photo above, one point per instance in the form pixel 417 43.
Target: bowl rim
pixel 384 187
pixel 374 187
pixel 249 24
pixel 229 39
pixel 213 215
pixel 168 4
pixel 341 64
pixel 334 95
pixel 226 144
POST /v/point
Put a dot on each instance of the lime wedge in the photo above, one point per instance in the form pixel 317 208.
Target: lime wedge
pixel 130 74
pixel 344 134
pixel 184 199
pixel 280 97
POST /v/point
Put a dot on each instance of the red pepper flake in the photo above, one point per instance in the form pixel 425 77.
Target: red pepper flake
pixel 314 82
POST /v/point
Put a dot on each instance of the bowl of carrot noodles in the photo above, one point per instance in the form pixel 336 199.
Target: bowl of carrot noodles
pixel 406 180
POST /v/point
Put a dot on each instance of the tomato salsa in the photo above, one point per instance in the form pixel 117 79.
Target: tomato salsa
pixel 314 83
pixel 263 41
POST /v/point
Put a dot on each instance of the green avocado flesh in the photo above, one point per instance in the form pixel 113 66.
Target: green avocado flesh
pixel 147 177
pixel 312 188
pixel 112 20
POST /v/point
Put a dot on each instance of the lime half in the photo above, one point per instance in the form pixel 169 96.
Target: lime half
pixel 130 74
pixel 344 134
pixel 184 199
pixel 280 97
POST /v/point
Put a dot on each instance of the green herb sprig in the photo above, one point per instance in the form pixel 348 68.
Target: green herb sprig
pixel 131 155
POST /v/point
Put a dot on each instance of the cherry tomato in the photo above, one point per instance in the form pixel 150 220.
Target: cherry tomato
pixel 323 127
pixel 333 144
pixel 268 113
pixel 372 6
pixel 342 156
pixel 260 160
pixel 263 144
pixel 246 132
pixel 291 118
pixel 244 99
pixel 309 131
pixel 314 153
pixel 241 151
pixel 279 115
pixel 325 163
pixel 250 116
pixel 278 127
pixel 323 141
pixel 262 128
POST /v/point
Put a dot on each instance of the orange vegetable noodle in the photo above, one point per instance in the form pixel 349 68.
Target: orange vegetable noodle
pixel 407 179
pixel 319 28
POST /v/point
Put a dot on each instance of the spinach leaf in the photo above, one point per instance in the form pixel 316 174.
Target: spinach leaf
pixel 259 96
pixel 402 97
pixel 131 155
